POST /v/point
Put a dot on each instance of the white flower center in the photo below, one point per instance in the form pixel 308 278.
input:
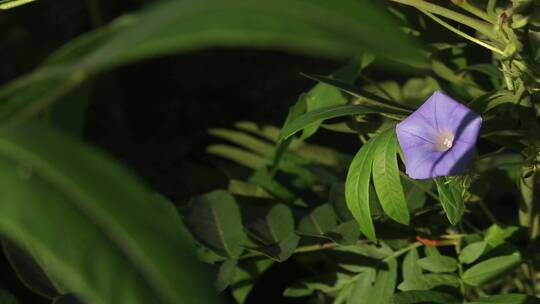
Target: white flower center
pixel 444 141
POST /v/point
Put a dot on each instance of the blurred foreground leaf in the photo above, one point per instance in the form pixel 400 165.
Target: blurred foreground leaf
pixel 91 224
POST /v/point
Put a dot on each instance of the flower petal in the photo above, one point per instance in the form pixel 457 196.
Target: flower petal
pixel 418 135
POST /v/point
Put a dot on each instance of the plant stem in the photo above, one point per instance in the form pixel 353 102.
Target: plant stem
pixel 488 212
pixel 479 25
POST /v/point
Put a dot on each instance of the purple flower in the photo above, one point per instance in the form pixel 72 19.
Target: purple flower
pixel 438 139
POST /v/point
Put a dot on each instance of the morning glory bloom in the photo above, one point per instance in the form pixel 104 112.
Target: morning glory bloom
pixel 438 139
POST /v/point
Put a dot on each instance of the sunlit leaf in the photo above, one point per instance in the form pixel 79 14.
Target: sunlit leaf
pixel 490 269
pixel 450 195
pixel 386 178
pixel 357 189
pixel 439 263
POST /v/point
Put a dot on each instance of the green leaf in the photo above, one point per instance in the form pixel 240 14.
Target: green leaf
pixel 269 225
pixel 429 281
pixel 490 269
pixel 507 299
pixel 376 102
pixel 28 271
pixel 427 296
pixel 244 140
pixel 337 199
pixel 8 4
pixel 318 221
pixel 341 28
pixel 326 283
pixel 496 235
pixel 386 178
pixel 411 269
pixel 214 219
pixel 281 250
pixel 357 189
pixel 323 95
pixel 7 298
pixel 225 274
pixel 438 264
pixel 320 115
pixel 379 288
pixel 240 156
pixel 246 273
pixel 472 252
pixel 240 188
pixel 70 203
pixel 450 195
pixel 346 233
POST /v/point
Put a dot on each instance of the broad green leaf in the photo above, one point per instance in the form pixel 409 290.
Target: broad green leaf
pixel 439 263
pixel 450 195
pixel 28 271
pixel 69 202
pixel 271 224
pixel 472 252
pixel 225 274
pixel 346 233
pixel 341 28
pixel 327 283
pixel 386 178
pixel 357 189
pixel 426 296
pixel 507 299
pixel 490 269
pixel 375 286
pixel 320 115
pixel 215 221
pixel 8 4
pixel 7 298
pixel 318 221
pixel 411 269
pixel 429 281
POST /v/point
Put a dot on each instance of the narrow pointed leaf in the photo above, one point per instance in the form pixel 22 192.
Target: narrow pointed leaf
pixel 490 269
pixel 386 178
pixel 439 263
pixel 450 195
pixel 320 115
pixel 357 189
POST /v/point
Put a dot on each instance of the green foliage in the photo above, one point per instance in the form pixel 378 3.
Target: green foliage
pixel 69 185
pixel 79 227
